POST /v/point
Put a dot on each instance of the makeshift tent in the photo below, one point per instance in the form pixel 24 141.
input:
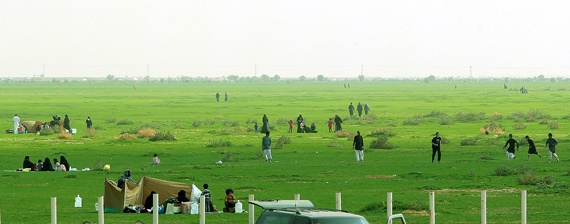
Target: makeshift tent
pixel 32 126
pixel 135 193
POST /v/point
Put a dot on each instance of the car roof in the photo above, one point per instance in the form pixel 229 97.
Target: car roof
pixel 317 212
pixel 281 204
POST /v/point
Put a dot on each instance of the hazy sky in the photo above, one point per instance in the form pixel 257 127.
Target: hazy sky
pixel 395 38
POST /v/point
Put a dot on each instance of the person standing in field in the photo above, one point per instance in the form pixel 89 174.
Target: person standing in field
pixel 66 123
pixel 265 126
pixel 266 147
pixel 16 121
pixel 256 127
pixel 366 109
pixel 511 150
pixel 531 148
pixel 218 96
pixel 300 120
pixel 358 146
pixel 330 123
pixel 89 122
pixel 551 144
pixel 290 126
pixel 359 109
pixel 226 96
pixel 351 109
pixel 337 122
pixel 436 147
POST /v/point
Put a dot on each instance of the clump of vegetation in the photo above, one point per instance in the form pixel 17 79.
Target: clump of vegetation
pixel 228 156
pixel 343 134
pixel 382 132
pixel 496 116
pixel 445 120
pixel 491 141
pixel 111 120
pixel 50 130
pixel 527 178
pixel 543 121
pixel 413 121
pixel 162 136
pixel 553 125
pixel 281 120
pixel 503 171
pixel 219 143
pixel 494 128
pixel 392 124
pixel 64 135
pixel 469 117
pixel 445 140
pixel 146 133
pixel 196 124
pixel 436 113
pixel 90 132
pixel 230 123
pixel 234 130
pixel 125 122
pixel 519 126
pixel 567 117
pixel 251 121
pixel 469 141
pixel 486 156
pixel 282 141
pixel 335 144
pixel 126 137
pixel 209 122
pixel 381 143
pixel 530 116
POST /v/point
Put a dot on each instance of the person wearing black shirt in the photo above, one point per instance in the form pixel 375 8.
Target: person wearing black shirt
pixel 358 146
pixel 531 148
pixel 436 147
pixel 511 150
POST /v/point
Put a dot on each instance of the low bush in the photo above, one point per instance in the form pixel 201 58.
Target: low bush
pixel 445 140
pixel 64 135
pixel 146 133
pixel 228 157
pixel 486 156
pixel 527 178
pixel 382 132
pixel 162 136
pixel 494 128
pixel 435 113
pixel 49 131
pixel 381 143
pixel 209 122
pixel 343 134
pixel 126 136
pixel 469 117
pixel 567 117
pixel 196 124
pixel 90 132
pixel 553 125
pixel 469 141
pixel 230 123
pixel 413 121
pixel 218 143
pixel 445 120
pixel 519 126
pixel 281 120
pixel 282 141
pixel 111 120
pixel 503 171
pixel 125 122
pixel 544 121
pixel 496 116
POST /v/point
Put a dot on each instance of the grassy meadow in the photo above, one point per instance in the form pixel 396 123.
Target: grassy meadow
pixel 314 165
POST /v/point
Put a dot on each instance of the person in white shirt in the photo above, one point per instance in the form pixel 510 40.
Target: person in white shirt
pixel 16 121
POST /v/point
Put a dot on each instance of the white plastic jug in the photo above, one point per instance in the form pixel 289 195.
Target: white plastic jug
pixel 239 208
pixel 78 202
pixel 194 208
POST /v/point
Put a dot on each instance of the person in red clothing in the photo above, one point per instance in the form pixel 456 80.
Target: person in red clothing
pixel 290 126
pixel 330 123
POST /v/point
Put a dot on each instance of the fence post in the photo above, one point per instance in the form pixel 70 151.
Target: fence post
pixel 432 207
pixel 338 201
pixel 523 207
pixel 202 209
pixel 53 210
pixel 389 205
pixel 483 207
pixel 101 209
pixel 251 209
pixel 155 208
pixel 297 197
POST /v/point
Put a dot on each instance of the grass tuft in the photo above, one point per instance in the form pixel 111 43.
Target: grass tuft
pixel 146 133
pixel 219 143
pixel 162 136
pixel 381 143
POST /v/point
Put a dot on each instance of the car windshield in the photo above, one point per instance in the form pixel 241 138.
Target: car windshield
pixel 340 221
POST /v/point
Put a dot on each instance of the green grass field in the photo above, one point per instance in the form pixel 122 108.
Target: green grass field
pixel 315 165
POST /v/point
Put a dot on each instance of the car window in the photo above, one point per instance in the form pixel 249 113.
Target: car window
pixel 301 220
pixel 274 218
pixel 340 221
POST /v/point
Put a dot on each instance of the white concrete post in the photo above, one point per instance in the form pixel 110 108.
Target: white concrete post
pixel 155 208
pixel 202 209
pixel 483 207
pixel 53 210
pixel 338 201
pixel 389 204
pixel 101 209
pixel 432 207
pixel 523 207
pixel 251 210
pixel 297 197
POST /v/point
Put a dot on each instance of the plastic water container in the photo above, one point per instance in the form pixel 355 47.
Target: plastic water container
pixel 194 208
pixel 78 202
pixel 239 208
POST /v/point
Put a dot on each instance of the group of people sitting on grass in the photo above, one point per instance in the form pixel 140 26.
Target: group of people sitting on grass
pixel 46 165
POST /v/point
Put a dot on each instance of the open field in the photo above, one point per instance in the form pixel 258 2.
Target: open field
pixel 315 165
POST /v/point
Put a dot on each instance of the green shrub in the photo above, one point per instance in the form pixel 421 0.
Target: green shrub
pixel 90 132
pixel 503 171
pixel 230 123
pixel 567 117
pixel 281 120
pixel 436 113
pixel 228 157
pixel 527 178
pixel 445 120
pixel 382 131
pixel 469 117
pixel 343 134
pixel 543 121
pixel 493 127
pixel 486 156
pixel 111 120
pixel 126 137
pixel 469 141
pixel 553 125
pixel 282 141
pixel 392 124
pixel 218 143
pixel 519 126
pixel 381 143
pixel 162 136
pixel 445 140
pixel 196 124
pixel 209 122
pixel 125 122
pixel 413 121
pixel 50 130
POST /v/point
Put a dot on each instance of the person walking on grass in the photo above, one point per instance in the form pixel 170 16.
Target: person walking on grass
pixel 436 147
pixel 358 146
pixel 511 150
pixel 266 147
pixel 551 144
pixel 330 123
pixel 531 148
pixel 351 109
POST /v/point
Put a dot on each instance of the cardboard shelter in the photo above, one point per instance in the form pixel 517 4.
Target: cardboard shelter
pixel 116 199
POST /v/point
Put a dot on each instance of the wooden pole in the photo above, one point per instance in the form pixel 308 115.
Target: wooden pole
pixel 483 207
pixel 523 207
pixel 202 209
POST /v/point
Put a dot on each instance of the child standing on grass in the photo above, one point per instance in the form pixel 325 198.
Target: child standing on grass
pixel 256 127
pixel 551 144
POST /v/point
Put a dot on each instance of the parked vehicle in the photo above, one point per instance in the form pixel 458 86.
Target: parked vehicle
pixel 303 212
pixel 396 218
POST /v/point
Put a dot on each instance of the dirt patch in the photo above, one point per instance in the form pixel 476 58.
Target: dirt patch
pixel 416 213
